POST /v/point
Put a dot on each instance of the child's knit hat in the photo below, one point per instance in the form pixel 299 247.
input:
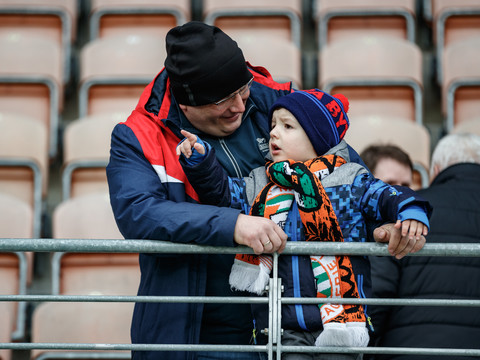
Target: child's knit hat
pixel 322 116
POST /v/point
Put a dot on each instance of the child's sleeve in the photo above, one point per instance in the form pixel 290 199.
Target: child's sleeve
pixel 383 202
pixel 212 184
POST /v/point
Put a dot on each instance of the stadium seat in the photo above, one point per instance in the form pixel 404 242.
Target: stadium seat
pixel 86 150
pixel 471 126
pixel 340 19
pixel 30 81
pixel 13 277
pixel 24 162
pixel 87 217
pixel 453 21
pixel 461 82
pixel 264 50
pixel 140 17
pixel 115 70
pixel 84 323
pixel 384 78
pixel 281 18
pixel 412 137
pixel 54 20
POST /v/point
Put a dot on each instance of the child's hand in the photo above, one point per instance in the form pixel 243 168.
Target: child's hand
pixel 185 147
pixel 411 232
pixel 412 228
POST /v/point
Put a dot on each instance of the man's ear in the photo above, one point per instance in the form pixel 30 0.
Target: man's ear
pixel 183 107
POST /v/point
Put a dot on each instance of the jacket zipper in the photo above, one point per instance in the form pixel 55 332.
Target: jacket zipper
pixel 230 156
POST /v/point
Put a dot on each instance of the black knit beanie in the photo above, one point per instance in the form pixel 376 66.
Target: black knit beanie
pixel 322 116
pixel 204 64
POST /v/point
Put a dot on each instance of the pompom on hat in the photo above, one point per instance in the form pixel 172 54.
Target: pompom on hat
pixel 322 116
pixel 203 63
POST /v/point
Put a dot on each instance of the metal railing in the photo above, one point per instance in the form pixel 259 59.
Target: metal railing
pixel 274 299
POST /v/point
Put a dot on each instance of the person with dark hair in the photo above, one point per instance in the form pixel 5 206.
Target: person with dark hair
pixel 309 172
pixel 209 89
pixel 389 163
pixel 453 193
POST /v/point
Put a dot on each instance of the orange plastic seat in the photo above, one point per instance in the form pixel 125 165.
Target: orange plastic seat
pixel 115 70
pixel 453 21
pixel 141 17
pixel 340 19
pixel 471 126
pixel 411 137
pixel 30 81
pixel 282 18
pixel 13 277
pixel 24 162
pixel 88 217
pixel 86 147
pixel 461 82
pixel 264 50
pixel 384 78
pixel 54 20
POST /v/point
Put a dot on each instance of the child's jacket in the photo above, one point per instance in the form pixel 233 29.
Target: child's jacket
pixel 359 201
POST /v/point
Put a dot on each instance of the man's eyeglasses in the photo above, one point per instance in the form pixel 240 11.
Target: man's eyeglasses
pixel 242 91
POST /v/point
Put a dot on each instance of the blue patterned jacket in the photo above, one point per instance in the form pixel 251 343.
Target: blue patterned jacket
pixel 359 200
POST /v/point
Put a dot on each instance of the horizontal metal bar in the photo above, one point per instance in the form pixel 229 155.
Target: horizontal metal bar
pixel 142 299
pixel 236 300
pixel 239 348
pixel 157 246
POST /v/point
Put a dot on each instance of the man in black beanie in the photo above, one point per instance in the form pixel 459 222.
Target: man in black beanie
pixel 208 89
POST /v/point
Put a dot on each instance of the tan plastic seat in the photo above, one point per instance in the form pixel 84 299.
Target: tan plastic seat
pixel 30 81
pixel 264 50
pixel 115 70
pixel 86 150
pixel 340 19
pixel 461 82
pixel 471 126
pixel 13 277
pixel 281 18
pixel 24 162
pixel 411 137
pixel 87 217
pixel 384 78
pixel 453 21
pixel 54 20
pixel 141 17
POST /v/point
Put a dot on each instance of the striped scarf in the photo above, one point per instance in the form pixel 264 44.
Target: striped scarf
pixel 343 325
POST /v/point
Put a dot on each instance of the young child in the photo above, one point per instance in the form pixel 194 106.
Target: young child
pixel 315 194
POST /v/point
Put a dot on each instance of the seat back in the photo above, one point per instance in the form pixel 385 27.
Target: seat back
pixel 115 71
pixel 461 82
pixel 53 20
pixel 341 19
pixel 453 21
pixel 411 137
pixel 30 81
pixel 471 126
pixel 86 147
pixel 282 18
pixel 264 50
pixel 24 162
pixel 386 76
pixel 141 17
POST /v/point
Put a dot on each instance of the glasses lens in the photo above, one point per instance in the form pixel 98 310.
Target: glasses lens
pixel 242 91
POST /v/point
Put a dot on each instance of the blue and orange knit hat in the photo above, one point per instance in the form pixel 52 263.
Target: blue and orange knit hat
pixel 322 116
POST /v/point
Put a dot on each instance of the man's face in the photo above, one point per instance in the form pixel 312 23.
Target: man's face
pixel 222 118
pixel 392 172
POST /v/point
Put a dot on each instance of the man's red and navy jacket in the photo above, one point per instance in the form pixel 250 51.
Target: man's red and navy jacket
pixel 152 199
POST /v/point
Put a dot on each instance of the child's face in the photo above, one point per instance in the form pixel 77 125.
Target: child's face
pixel 288 140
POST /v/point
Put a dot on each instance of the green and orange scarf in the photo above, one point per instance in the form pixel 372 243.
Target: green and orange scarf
pixel 343 325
